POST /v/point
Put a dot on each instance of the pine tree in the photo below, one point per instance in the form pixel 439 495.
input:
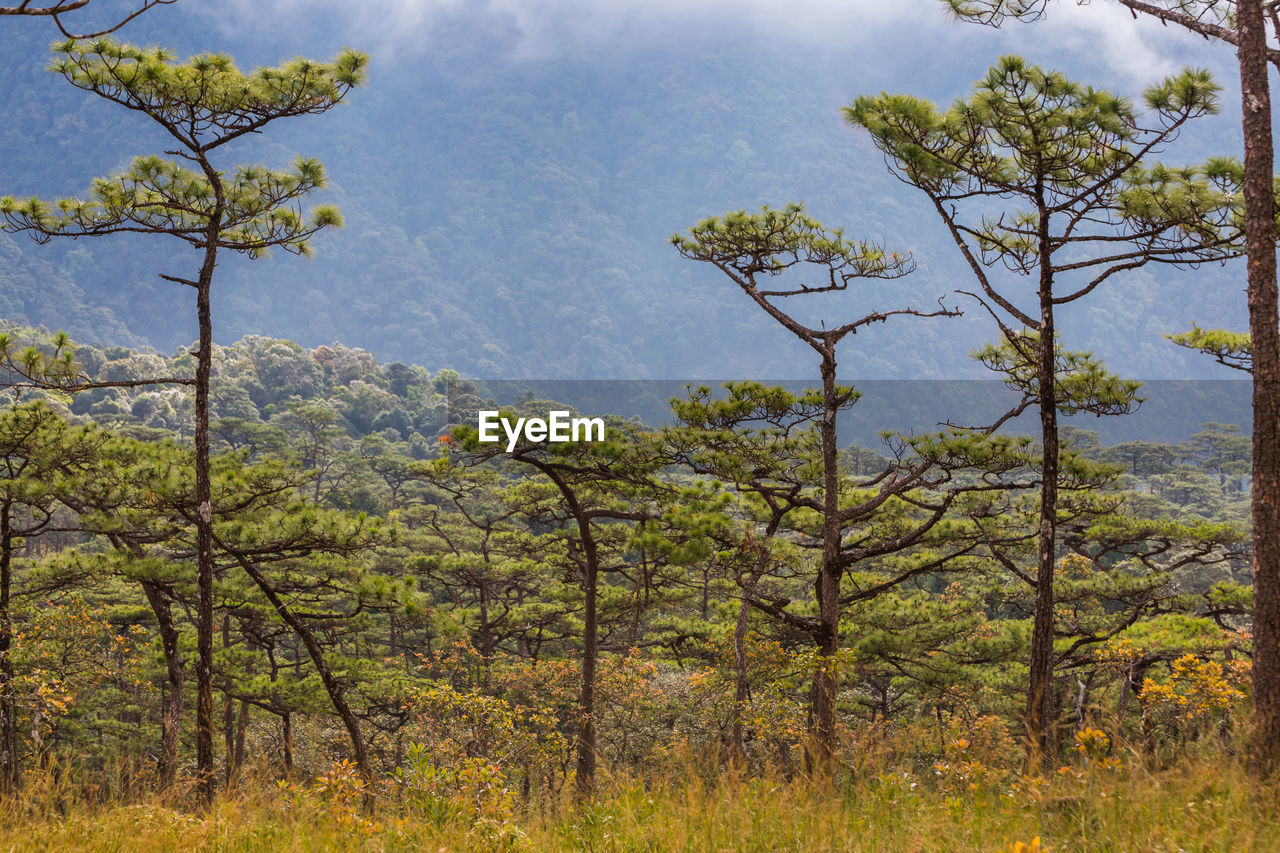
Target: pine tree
pixel 40 454
pixel 1075 206
pixel 1251 26
pixel 793 464
pixel 203 104
pixel 601 492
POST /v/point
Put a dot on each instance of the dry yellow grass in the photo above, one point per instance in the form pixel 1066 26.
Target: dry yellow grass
pixel 1198 806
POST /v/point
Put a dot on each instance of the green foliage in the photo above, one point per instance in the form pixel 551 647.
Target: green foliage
pixel 207 95
pixel 1232 349
pixel 1081 382
pixel 465 583
pixel 1033 136
pixel 47 361
pixel 773 241
pixel 203 103
pixel 257 211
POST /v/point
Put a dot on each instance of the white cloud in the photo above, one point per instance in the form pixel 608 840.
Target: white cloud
pixel 1101 32
pixel 1139 48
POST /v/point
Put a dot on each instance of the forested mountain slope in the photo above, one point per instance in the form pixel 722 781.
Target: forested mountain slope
pixel 508 208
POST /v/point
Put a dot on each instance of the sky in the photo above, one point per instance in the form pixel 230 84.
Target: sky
pixel 1101 31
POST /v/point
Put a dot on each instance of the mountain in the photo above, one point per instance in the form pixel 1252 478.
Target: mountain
pixel 508 199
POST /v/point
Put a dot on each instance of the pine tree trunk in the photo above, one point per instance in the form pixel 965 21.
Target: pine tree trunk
pixel 206 782
pixel 242 731
pixel 170 729
pixel 822 699
pixel 204 565
pixel 1260 236
pixel 741 690
pixel 1039 692
pixel 585 776
pixel 286 742
pixel 335 689
pixel 228 712
pixel 9 775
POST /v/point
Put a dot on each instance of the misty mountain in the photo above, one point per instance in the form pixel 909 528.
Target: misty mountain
pixel 508 205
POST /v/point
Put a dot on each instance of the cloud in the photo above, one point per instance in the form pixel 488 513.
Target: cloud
pixel 1139 48
pixel 1101 32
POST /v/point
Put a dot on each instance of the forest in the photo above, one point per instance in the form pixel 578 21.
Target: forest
pixel 280 595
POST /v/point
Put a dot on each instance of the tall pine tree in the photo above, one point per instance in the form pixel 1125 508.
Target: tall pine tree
pixel 203 104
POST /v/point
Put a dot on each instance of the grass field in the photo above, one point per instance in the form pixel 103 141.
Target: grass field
pixel 1195 806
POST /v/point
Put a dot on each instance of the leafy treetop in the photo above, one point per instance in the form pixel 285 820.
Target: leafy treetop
pixel 1071 157
pixel 203 103
pixel 206 101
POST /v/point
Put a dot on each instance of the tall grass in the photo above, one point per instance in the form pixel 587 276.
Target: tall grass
pixel 1196 805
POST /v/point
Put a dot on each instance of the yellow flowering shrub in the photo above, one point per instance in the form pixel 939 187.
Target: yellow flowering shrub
pixel 1199 695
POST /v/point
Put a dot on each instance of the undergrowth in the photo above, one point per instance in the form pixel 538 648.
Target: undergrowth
pixel 1098 802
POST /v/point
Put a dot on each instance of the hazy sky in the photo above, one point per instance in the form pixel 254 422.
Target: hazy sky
pixel 1101 31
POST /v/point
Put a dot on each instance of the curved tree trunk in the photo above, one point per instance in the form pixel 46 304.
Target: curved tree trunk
pixel 335 689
